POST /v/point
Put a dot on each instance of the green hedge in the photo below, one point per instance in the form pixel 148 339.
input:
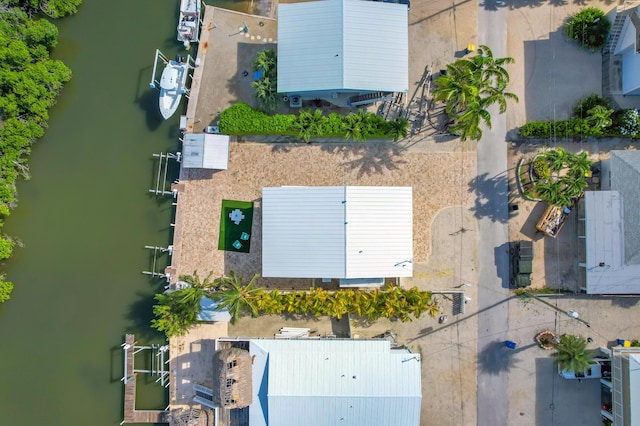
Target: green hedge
pixel 242 120
pixel 575 127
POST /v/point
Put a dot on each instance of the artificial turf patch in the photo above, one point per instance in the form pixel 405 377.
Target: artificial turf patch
pixel 235 237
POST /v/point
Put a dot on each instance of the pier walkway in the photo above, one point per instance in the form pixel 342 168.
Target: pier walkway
pixel 131 415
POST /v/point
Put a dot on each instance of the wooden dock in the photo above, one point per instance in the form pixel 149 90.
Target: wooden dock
pixel 131 415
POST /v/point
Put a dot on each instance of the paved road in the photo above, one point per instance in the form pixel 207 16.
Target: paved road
pixel 493 258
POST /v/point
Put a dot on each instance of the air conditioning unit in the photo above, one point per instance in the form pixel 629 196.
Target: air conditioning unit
pixel 295 101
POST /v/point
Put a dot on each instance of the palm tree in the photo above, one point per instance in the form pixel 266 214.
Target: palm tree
pixel 574 185
pixel 354 126
pixel 498 95
pixel 457 87
pixel 266 91
pixel 557 159
pixel 572 355
pixel 490 68
pixel 398 128
pixel 547 189
pixel 579 164
pixel 470 87
pixel 238 297
pixel 197 289
pixel 309 124
pixel 174 316
pixel 266 59
pixel 467 125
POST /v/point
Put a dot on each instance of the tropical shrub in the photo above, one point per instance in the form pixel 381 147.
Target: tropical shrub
pixel 177 311
pixel 266 88
pixel 540 167
pixel 629 123
pixel 587 103
pixel 589 27
pixel 556 188
pixel 6 288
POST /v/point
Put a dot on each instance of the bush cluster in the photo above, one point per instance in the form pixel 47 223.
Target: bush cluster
pixel 589 27
pixel 242 120
pixel 592 116
pixel 584 105
pixel 541 168
pixel 29 84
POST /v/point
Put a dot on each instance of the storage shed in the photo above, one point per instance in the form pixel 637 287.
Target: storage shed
pixel 205 151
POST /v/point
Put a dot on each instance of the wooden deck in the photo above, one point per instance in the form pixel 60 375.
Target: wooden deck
pixel 131 415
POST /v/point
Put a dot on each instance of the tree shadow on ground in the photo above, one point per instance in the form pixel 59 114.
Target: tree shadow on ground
pixel 368 158
pixel 497 358
pixel 139 316
pixel 530 4
pixel 492 194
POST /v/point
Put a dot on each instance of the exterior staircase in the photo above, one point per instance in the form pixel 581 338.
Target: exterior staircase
pixel 370 98
pixel 616 30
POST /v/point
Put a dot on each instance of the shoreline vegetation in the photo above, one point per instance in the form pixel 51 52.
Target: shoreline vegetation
pixel 30 82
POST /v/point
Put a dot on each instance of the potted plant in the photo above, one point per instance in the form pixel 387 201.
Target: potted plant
pixel 547 340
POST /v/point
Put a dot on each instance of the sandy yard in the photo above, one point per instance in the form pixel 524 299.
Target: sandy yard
pixel 439 180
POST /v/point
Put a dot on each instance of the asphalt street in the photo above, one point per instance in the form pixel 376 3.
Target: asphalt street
pixel 492 190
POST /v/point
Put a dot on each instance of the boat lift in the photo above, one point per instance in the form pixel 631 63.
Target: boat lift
pixel 159 360
pixel 163 166
pixel 155 83
pixel 154 266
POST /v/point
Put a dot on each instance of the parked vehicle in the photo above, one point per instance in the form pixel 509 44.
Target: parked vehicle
pixel 521 263
pixel 597 368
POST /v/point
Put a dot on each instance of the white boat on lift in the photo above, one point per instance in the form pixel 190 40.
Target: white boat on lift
pixel 173 83
pixel 189 22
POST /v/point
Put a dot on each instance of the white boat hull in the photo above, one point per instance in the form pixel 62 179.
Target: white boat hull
pixel 189 21
pixel 172 87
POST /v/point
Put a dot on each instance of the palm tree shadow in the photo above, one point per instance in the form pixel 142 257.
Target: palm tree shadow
pixel 492 195
pixel 497 358
pixel 370 158
pixel 139 316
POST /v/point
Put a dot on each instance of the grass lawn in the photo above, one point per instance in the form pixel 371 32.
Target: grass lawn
pixel 235 226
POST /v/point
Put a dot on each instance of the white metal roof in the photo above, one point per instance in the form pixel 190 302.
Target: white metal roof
pixel 625 178
pixel 210 311
pixel 337 232
pixel 634 389
pixel 205 151
pixel 613 229
pixel 606 271
pixel 319 382
pixel 343 45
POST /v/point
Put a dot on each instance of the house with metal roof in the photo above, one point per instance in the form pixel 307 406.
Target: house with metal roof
pixel 348 52
pixel 612 228
pixel 620 387
pixel 327 382
pixel 357 234
pixel 626 35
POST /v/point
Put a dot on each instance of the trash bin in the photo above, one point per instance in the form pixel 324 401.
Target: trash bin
pixel 510 344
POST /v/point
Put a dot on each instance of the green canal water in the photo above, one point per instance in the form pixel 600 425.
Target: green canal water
pixel 84 219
